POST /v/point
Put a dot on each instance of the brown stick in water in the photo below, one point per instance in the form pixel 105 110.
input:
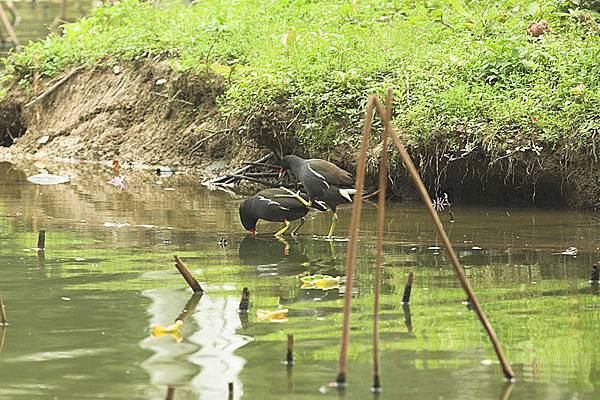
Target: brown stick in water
pixel 257 180
pixel 262 164
pixel 240 170
pixel 407 289
pixel 3 320
pixel 352 246
pixel 41 243
pixel 245 301
pixel 383 174
pixel 187 275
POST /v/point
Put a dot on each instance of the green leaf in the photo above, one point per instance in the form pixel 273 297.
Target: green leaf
pixel 533 8
pixel 436 14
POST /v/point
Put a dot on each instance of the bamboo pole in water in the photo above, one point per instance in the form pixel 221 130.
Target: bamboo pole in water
pixel 382 188
pixel 9 28
pixel 416 178
pixel 352 246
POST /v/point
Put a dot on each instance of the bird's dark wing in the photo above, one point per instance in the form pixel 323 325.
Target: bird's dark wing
pixel 333 174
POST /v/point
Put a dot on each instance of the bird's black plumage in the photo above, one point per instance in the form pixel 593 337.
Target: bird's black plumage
pixel 323 180
pixel 275 205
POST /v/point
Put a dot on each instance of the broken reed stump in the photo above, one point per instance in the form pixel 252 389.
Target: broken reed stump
pixel 407 289
pixel 245 301
pixel 41 243
pixel 170 393
pixel 3 320
pixel 187 275
pixel 230 390
pixel 289 356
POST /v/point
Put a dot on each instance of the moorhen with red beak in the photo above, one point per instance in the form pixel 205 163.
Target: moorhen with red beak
pixel 275 205
pixel 324 182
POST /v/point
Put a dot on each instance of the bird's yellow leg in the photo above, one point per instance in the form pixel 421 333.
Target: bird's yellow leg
pixel 334 219
pixel 331 249
pixel 284 229
pixel 296 229
pixel 298 197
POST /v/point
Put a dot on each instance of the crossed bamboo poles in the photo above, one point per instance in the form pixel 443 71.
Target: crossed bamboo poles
pixel 385 114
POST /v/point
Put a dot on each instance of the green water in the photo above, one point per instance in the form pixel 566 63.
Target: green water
pixel 80 313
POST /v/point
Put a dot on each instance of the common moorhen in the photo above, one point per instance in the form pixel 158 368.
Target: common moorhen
pixel 324 182
pixel 275 205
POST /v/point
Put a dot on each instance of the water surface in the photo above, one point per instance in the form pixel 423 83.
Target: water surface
pixel 80 312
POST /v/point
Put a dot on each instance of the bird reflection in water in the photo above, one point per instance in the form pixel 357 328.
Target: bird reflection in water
pixel 275 255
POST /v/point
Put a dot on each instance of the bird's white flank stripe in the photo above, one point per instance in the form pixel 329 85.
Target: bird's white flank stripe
pixel 321 204
pixel 318 175
pixel 269 201
pixel 347 192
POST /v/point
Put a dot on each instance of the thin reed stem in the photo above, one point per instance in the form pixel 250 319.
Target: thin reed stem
pixel 352 246
pixel 382 188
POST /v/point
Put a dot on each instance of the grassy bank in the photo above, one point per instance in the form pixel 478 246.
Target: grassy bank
pixel 467 75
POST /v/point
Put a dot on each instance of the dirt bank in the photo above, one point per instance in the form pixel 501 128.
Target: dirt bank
pixel 145 114
pixel 148 114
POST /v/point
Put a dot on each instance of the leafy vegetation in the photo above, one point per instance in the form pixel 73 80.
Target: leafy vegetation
pixel 464 72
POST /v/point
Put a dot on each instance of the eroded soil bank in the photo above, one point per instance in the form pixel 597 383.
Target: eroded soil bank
pixel 147 114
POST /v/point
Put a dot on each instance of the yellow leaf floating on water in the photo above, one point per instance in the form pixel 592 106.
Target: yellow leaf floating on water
pixel 324 282
pixel 274 316
pixel 173 330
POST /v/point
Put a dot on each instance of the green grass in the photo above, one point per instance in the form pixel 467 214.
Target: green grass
pixel 465 72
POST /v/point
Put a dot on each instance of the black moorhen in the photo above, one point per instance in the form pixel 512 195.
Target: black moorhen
pixel 324 182
pixel 275 205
